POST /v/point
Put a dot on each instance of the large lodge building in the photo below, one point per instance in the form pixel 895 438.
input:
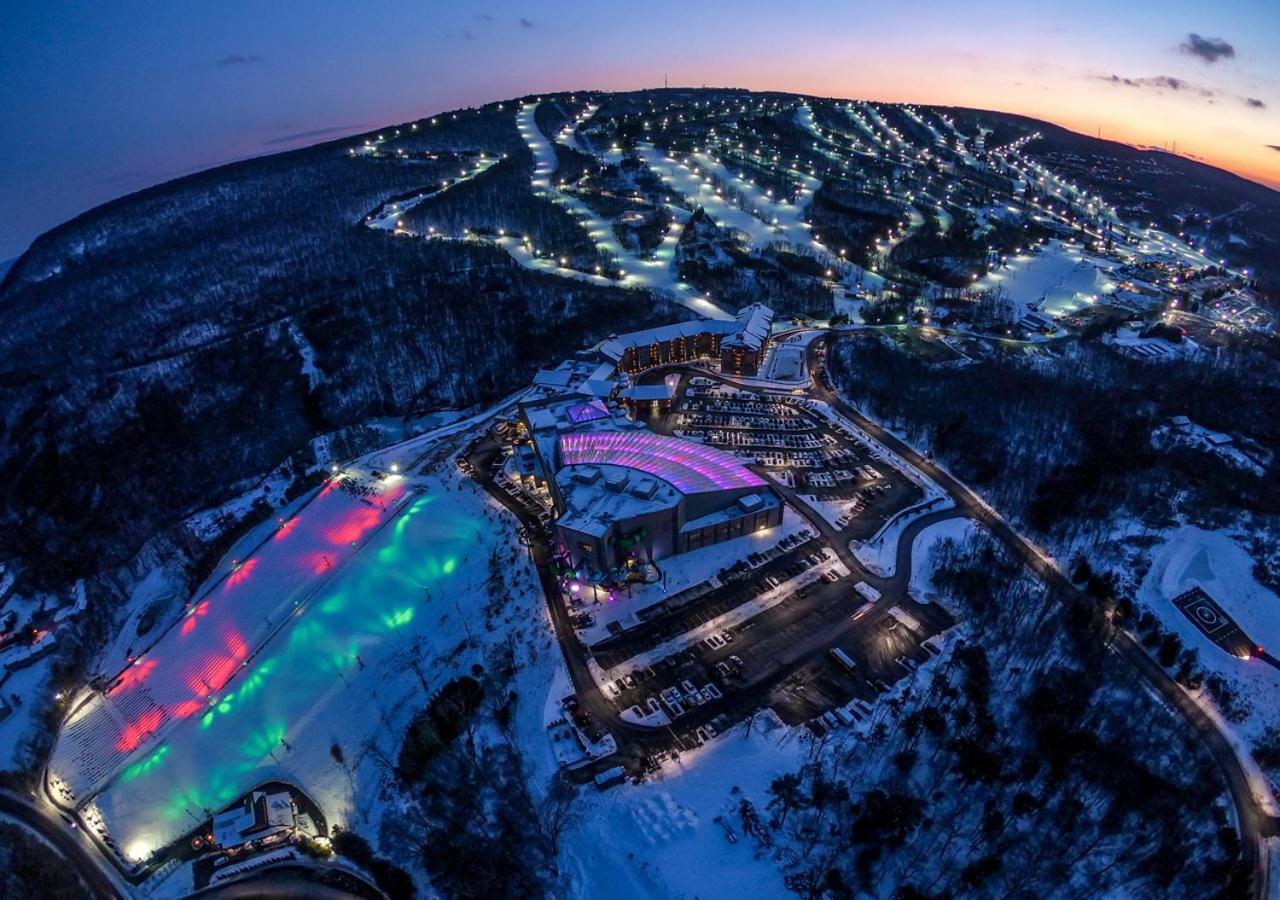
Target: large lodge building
pixel 739 344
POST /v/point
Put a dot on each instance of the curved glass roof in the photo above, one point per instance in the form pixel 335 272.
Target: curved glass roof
pixel 689 467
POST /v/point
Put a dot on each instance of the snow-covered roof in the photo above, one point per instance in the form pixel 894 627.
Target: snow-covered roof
pixel 615 347
pixel 552 378
pixel 229 827
pixel 659 391
pixel 609 494
pixel 594 387
pixel 279 810
pixel 749 329
pixel 753 323
pixel 747 504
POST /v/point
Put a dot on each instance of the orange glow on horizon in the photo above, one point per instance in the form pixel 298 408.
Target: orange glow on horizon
pixel 1222 131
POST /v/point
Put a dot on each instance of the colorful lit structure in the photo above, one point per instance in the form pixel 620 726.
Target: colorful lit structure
pixel 635 496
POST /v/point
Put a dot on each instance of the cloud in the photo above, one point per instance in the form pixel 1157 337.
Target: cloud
pixel 240 59
pixel 1162 82
pixel 319 132
pixel 1180 86
pixel 1206 49
pixel 525 23
pixel 482 17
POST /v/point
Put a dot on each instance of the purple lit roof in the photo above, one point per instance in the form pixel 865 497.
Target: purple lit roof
pixel 587 412
pixel 688 467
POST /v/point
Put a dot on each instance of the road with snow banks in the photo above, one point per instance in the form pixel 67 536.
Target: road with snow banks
pixel 1255 823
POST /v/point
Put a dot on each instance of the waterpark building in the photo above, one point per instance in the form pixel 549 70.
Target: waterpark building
pixel 637 496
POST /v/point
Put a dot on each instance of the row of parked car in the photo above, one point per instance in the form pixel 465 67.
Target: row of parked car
pixel 805 562
pixel 744 420
pixel 675 697
pixel 855 710
pixel 754 438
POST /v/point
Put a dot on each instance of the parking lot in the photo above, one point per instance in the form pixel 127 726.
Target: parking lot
pixel 753 578
pixel 791 441
pixel 688 673
pixel 781 658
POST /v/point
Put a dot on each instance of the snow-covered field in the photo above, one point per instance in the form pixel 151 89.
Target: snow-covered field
pixel 348 669
pixel 660 840
pixel 28 685
pixel 1213 560
pixel 1059 279
pixel 961 530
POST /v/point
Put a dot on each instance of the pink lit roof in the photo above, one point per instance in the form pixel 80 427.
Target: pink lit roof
pixel 688 467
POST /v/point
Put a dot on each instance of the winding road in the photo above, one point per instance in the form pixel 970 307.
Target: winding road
pixel 1255 823
pixel 36 819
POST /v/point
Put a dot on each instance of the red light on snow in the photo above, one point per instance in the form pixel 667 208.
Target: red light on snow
pixel 241 574
pixel 137 731
pixel 318 563
pixel 189 624
pixel 186 708
pixel 286 527
pixel 135 674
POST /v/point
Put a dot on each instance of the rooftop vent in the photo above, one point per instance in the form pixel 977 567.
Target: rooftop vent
pixel 645 488
pixel 586 474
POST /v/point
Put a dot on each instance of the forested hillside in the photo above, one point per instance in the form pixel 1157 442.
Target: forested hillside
pixel 152 351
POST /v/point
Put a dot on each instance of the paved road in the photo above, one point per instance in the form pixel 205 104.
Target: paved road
pixel 294 880
pixel 65 842
pixel 1255 823
pixel 741 701
pixel 747 696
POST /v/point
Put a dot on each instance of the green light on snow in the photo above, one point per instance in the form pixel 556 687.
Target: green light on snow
pixel 144 766
pixel 399 618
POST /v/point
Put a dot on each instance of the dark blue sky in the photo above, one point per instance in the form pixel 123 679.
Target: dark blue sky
pixel 104 98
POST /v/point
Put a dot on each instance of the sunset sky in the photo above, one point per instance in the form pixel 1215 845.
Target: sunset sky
pixel 101 99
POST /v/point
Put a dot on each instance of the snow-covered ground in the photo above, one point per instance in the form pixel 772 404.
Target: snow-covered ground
pixel 28 685
pixel 340 672
pixel 761 219
pixel 831 510
pixel 659 840
pixel 880 553
pixel 787 359
pixel 960 529
pixel 388 216
pixel 1213 560
pixel 657 273
pixel 1059 279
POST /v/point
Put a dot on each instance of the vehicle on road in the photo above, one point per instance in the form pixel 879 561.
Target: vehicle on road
pixel 844 660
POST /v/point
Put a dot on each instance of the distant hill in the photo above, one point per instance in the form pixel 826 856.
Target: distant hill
pixel 1237 217
pixel 152 350
pixel 159 351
